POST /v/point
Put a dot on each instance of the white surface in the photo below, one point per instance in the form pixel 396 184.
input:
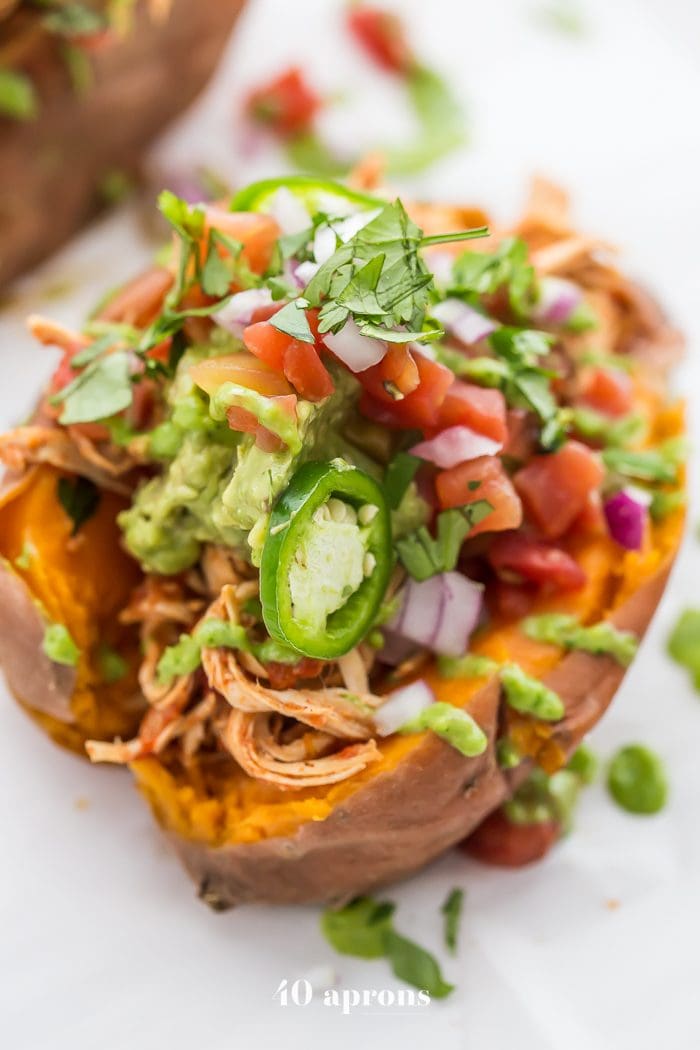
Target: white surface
pixel 102 942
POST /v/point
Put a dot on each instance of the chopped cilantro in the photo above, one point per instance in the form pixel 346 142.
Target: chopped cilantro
pixel 364 928
pixel 17 96
pixel 423 555
pixel 113 667
pixel 79 498
pixel 292 320
pixel 399 474
pixel 452 911
pixel 59 646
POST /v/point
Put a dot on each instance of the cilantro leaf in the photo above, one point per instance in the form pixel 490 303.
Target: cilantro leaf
pixel 364 928
pixel 79 498
pixel 216 275
pixel 18 98
pixel 399 474
pixel 423 555
pixel 452 910
pixel 75 19
pixel 102 390
pixel 292 320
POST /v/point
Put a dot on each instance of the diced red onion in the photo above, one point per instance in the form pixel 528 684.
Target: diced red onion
pixel 455 445
pixel 288 212
pixel 354 349
pixel 558 300
pixel 463 321
pixel 440 613
pixel 303 272
pixel 188 185
pixel 402 706
pixel 238 312
pixel 626 519
pixel 324 244
pixel 396 649
pixel 441 265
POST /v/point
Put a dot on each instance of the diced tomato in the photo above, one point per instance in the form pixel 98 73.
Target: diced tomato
pixel 267 343
pixel 501 842
pixel 555 488
pixel 306 372
pixel 300 362
pixel 287 104
pixel 418 410
pixel 458 487
pixel 161 352
pixel 143 400
pixel 264 313
pixel 515 553
pixel 382 35
pixel 512 601
pixel 608 390
pixel 479 408
pixel 243 369
pixel 247 423
pixel 522 435
pixel 591 521
pixel 398 367
pixel 255 230
pixel 286 676
pixel 90 431
pixel 140 301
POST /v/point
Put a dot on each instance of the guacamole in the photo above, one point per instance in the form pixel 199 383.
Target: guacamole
pixel 216 484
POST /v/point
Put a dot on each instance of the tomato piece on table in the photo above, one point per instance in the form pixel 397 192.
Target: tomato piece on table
pixel 482 478
pixel 381 34
pixel 256 231
pixel 286 104
pixel 555 488
pixel 608 390
pixel 502 842
pixel 482 409
pixel 516 553
pixel 242 369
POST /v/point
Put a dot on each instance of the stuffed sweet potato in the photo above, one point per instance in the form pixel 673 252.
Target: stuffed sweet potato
pixel 84 91
pixel 394 513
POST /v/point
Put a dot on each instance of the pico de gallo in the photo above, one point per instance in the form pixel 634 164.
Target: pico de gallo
pixel 357 438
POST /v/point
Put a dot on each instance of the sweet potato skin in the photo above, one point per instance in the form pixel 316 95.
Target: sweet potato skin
pixel 404 818
pixel 52 167
pixel 42 684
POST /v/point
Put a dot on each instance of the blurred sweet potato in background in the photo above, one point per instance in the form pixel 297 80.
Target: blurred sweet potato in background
pixel 83 100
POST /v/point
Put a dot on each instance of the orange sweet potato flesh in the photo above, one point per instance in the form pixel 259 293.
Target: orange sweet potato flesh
pixel 81 582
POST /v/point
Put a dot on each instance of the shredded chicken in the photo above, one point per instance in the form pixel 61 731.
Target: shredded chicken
pixel 25 446
pixel 249 738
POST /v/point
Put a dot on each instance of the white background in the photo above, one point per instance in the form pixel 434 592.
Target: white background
pixel 102 943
